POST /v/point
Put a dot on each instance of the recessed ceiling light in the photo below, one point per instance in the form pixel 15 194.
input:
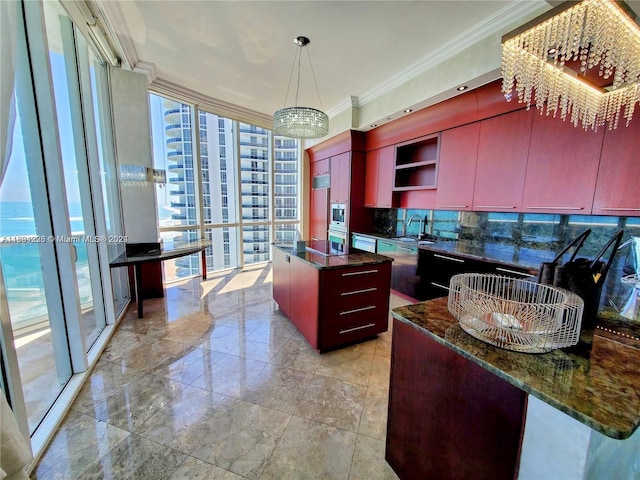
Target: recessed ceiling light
pixel 462 88
pixel 408 110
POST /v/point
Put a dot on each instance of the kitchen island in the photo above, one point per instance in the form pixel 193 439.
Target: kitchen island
pixel 462 408
pixel 332 298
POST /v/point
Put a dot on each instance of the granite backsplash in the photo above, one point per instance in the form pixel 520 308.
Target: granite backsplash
pixel 547 232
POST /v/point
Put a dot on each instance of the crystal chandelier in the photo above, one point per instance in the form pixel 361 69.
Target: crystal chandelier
pixel 300 122
pixel 593 34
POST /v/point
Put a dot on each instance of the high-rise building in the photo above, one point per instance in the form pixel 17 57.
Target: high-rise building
pixel 218 190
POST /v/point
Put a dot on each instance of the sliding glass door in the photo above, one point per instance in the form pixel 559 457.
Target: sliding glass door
pixel 59 206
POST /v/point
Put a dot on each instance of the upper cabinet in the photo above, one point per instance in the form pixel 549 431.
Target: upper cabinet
pixel 417 164
pixel 340 178
pixel 378 180
pixel 618 184
pixel 319 167
pixel 562 167
pixel 503 148
pixel 457 167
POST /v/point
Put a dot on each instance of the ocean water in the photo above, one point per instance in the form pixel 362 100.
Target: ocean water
pixel 21 264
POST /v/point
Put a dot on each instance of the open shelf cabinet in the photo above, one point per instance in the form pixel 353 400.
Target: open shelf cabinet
pixel 416 166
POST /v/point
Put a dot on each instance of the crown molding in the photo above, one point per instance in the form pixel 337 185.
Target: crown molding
pixel 148 69
pixel 496 23
pixel 213 105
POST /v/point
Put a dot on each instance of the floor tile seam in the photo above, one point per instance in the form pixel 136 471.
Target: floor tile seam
pixel 104 398
pixel 137 378
pixel 342 380
pixel 277 443
pixel 280 365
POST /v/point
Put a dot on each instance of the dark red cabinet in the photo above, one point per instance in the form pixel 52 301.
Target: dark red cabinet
pixel 378 181
pixel 503 148
pixel 618 184
pixel 332 307
pixel 340 178
pixel 457 167
pixel 448 417
pixel 319 203
pixel 562 167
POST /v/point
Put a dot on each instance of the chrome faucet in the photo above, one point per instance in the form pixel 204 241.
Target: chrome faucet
pixel 410 221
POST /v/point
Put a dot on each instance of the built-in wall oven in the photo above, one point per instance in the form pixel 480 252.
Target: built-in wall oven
pixel 338 240
pixel 338 215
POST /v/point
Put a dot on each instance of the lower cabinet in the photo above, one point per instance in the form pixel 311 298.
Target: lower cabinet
pixel 404 275
pixel 448 417
pixel 332 307
pixel 435 270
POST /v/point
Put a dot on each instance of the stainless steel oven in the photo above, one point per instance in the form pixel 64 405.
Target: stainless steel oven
pixel 338 214
pixel 337 240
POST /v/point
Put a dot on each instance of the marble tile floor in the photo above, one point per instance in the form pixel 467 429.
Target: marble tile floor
pixel 216 383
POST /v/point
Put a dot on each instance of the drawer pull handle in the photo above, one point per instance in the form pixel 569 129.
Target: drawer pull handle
pixel 364 272
pixel 356 310
pixel 439 285
pixel 556 208
pixel 506 270
pixel 497 206
pixel 368 325
pixel 455 206
pixel 405 248
pixel 459 260
pixel 621 208
pixel 355 292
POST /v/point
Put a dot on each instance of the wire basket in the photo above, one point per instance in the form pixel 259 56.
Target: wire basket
pixel 515 314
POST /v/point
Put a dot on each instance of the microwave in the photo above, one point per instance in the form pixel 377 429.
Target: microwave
pixel 338 214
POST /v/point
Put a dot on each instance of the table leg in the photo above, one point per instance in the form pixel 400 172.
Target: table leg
pixel 138 273
pixel 204 264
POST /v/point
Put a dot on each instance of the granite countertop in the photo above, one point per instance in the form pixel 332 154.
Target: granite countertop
pixel 597 382
pixel 505 254
pixel 321 261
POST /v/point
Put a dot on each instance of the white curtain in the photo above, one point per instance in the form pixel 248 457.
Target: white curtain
pixel 15 450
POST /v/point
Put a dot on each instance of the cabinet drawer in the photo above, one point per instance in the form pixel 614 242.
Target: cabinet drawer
pixel 356 278
pixel 362 314
pixel 340 335
pixel 350 299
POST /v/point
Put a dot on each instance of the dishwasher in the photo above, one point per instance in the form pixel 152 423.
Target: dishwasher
pixel 362 242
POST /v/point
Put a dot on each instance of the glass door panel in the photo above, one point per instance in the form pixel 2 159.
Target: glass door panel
pixel 63 63
pixel 30 276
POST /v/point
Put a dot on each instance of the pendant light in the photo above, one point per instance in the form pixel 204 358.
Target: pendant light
pixel 300 122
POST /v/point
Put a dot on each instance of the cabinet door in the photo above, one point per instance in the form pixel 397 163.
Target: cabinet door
pixel 340 178
pixel 379 173
pixel 457 167
pixel 386 164
pixel 618 184
pixel 334 191
pixel 320 167
pixel 371 178
pixel 503 148
pixel 561 168
pixel 319 213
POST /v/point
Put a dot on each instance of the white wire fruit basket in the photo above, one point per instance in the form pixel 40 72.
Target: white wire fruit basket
pixel 514 313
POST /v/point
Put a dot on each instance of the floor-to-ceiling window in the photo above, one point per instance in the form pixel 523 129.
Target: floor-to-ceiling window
pixel 57 295
pixel 238 186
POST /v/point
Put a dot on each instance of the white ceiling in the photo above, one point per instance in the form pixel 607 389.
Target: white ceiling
pixel 241 52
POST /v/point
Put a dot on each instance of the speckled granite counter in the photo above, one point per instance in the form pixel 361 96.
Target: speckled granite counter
pixel 502 253
pixel 597 382
pixel 351 258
